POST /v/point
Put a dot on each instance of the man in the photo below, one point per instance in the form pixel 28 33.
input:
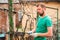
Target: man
pixel 43 27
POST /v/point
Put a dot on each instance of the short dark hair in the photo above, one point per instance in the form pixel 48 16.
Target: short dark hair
pixel 42 5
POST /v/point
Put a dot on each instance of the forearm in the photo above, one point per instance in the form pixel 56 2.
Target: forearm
pixel 49 33
pixel 45 34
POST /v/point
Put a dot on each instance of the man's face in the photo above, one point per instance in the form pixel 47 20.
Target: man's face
pixel 40 10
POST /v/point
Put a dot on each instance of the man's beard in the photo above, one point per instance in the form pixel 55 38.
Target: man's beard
pixel 41 14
